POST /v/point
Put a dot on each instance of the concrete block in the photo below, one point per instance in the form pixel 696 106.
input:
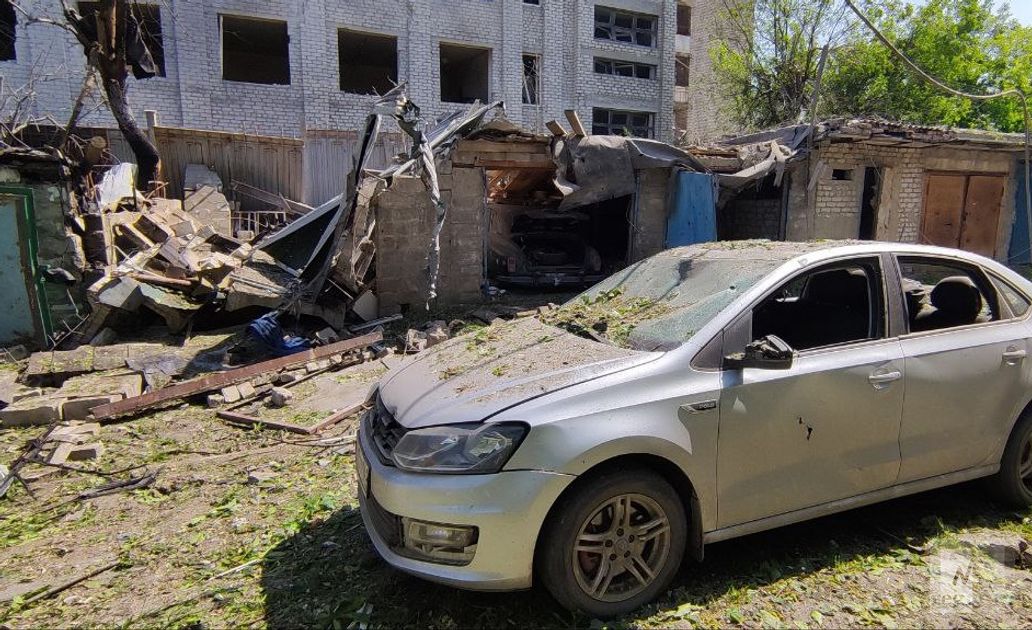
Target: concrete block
pixel 231 394
pixel 216 400
pixel 79 408
pixel 246 390
pixel 286 377
pixel 315 366
pixel 327 336
pixel 76 452
pixel 109 357
pixel 281 396
pixel 366 306
pixel 38 410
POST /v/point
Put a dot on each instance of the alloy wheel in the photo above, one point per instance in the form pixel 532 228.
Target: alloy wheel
pixel 621 548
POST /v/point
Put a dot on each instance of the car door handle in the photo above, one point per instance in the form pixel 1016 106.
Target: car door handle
pixel 884 378
pixel 1013 355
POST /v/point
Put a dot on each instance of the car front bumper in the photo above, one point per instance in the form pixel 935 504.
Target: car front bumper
pixel 508 508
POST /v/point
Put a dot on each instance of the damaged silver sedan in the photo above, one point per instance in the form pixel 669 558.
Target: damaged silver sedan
pixel 705 393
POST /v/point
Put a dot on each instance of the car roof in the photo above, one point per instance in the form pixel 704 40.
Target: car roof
pixel 810 251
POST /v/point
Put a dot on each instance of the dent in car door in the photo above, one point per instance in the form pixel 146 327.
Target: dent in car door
pixel 826 429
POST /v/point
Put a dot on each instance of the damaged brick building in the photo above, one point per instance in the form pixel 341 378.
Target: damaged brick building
pixel 311 69
pixel 877 180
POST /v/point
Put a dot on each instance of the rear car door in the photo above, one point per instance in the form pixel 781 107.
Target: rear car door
pixel 966 365
pixel 828 427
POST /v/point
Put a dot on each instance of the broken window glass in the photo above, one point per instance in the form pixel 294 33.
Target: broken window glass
pixel 622 123
pixel 662 301
pixel 531 81
pixel 625 68
pixel 255 50
pixel 8 25
pixel 625 27
pixel 368 62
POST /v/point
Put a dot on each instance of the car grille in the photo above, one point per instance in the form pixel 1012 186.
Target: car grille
pixel 384 431
pixel 387 525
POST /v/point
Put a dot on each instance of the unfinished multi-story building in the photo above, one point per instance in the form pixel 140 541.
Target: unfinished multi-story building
pixel 296 68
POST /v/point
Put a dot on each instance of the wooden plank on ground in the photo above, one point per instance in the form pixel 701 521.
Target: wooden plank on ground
pixel 556 128
pixel 230 377
pixel 328 422
pixel 239 418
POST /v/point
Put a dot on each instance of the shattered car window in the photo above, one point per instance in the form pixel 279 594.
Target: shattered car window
pixel 660 302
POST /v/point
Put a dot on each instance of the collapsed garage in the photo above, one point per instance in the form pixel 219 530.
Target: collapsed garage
pixel 537 212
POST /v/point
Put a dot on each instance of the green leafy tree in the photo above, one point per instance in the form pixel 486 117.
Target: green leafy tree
pixel 767 54
pixel 971 45
pixel 768 73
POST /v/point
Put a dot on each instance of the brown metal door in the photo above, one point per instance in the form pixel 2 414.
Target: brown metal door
pixel 944 209
pixel 981 214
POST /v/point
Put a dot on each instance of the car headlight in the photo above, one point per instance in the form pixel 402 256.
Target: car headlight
pixel 460 448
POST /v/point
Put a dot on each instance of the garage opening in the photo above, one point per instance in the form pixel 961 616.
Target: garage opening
pixel 368 62
pixel 464 73
pixel 255 50
pixel 534 245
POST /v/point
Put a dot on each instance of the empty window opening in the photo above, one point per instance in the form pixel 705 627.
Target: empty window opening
pixel 464 73
pixel 869 203
pixel 625 68
pixel 8 28
pixel 148 20
pixel 615 122
pixel 531 78
pixel 826 307
pixel 944 294
pixel 533 245
pixel 682 67
pixel 626 27
pixel 684 19
pixel 534 2
pixel 255 50
pixel 368 62
pixel 842 174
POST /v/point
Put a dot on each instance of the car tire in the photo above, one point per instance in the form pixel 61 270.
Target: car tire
pixel 638 559
pixel 1013 484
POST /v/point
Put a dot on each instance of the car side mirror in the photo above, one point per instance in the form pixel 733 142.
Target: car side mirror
pixel 769 353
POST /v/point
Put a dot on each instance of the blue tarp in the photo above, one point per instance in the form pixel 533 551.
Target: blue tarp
pixel 268 332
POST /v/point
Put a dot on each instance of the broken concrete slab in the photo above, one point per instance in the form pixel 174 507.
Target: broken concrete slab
pixel 208 206
pixel 109 357
pixel 79 408
pixel 366 306
pixel 216 400
pixel 437 332
pixel 30 411
pixel 66 452
pixel 327 335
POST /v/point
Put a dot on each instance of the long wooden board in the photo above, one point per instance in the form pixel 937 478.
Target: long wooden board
pixel 230 377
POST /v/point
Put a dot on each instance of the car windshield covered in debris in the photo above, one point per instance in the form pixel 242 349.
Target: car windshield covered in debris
pixel 661 302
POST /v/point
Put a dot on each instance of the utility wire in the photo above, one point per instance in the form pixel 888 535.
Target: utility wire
pixel 976 97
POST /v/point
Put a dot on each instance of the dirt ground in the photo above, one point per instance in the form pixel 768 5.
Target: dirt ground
pixel 258 528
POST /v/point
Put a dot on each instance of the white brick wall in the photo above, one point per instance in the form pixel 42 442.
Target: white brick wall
pixel 194 95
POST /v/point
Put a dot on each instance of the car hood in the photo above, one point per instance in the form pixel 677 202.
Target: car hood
pixel 474 376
